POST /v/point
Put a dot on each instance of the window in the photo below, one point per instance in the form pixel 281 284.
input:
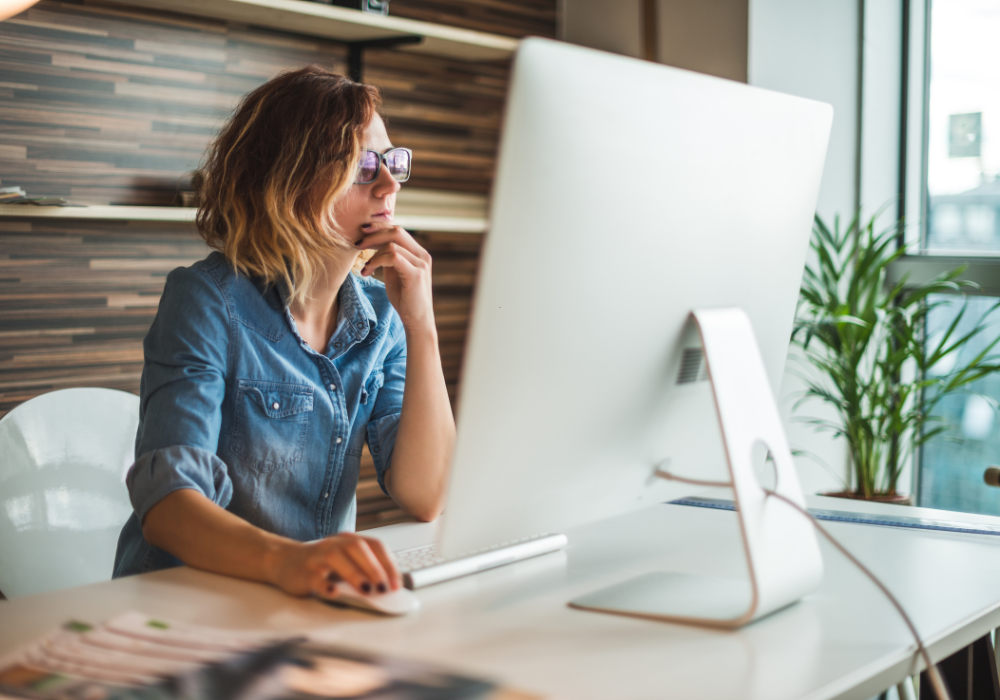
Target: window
pixel 963 126
pixel 952 463
pixel 960 179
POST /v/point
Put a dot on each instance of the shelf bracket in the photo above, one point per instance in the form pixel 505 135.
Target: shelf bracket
pixel 356 51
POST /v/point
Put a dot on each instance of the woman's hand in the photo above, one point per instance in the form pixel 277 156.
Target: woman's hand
pixel 204 535
pixel 426 435
pixel 407 271
pixel 302 568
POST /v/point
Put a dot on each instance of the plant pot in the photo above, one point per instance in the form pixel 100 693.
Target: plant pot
pixel 894 498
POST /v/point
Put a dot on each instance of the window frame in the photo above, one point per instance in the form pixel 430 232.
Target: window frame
pixel 914 141
pixel 913 195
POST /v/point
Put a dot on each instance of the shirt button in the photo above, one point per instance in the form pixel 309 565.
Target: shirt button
pixel 333 387
pixel 275 405
pixel 337 344
pixel 326 495
pixel 360 324
pixel 374 449
pixel 340 440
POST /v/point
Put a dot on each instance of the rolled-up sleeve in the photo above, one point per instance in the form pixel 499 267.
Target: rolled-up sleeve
pixel 160 472
pixel 182 390
pixel 384 420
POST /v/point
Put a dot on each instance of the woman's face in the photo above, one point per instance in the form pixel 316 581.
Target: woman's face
pixel 362 207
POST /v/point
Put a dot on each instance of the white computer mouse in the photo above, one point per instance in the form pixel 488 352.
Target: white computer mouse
pixel 398 602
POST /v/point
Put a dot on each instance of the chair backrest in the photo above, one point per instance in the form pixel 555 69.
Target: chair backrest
pixel 63 501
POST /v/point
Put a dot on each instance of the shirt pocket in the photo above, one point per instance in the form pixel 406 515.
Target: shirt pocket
pixel 375 380
pixel 271 423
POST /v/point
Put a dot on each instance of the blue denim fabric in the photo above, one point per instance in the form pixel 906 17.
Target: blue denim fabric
pixel 235 405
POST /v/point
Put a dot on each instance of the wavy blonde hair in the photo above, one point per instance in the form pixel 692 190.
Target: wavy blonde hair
pixel 271 176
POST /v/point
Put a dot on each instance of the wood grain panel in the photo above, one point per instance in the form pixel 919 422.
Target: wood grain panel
pixel 63 322
pixel 114 105
pixel 78 296
pixel 510 17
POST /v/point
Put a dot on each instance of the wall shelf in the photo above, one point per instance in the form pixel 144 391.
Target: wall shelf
pixel 343 24
pixel 416 210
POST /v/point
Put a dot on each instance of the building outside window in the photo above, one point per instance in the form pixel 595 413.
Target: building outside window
pixel 961 178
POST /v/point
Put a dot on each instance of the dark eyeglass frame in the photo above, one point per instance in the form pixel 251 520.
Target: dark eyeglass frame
pixel 378 167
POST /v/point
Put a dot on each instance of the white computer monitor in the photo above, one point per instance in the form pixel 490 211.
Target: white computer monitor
pixel 627 195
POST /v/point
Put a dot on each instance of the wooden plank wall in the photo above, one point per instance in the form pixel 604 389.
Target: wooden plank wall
pixel 77 298
pixel 511 17
pixel 113 105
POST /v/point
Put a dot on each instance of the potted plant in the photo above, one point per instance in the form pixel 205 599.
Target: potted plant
pixel 866 342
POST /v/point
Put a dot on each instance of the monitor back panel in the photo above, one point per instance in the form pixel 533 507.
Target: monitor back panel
pixel 627 194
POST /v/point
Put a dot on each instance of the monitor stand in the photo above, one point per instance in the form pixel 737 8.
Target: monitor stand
pixel 783 557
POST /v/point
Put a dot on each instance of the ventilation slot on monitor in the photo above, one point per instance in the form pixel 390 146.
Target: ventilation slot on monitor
pixel 693 367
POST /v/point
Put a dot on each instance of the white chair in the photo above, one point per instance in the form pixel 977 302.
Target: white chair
pixel 63 501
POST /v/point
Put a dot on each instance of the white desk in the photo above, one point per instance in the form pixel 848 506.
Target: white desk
pixel 512 624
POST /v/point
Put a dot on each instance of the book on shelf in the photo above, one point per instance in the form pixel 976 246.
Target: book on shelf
pixel 42 202
pixel 16 195
pixel 11 193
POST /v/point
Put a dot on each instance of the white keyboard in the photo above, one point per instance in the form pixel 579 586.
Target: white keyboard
pixel 424 566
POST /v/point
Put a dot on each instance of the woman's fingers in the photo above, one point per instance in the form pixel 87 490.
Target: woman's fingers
pixel 394 256
pixel 343 567
pixel 388 562
pixel 363 557
pixel 378 234
pixel 362 562
pixel 318 566
pixel 390 252
pixel 396 235
pixel 408 274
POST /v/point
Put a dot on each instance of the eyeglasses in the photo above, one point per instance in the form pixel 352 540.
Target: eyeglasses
pixel 397 160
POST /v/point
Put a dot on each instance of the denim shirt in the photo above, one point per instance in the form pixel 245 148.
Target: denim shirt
pixel 237 406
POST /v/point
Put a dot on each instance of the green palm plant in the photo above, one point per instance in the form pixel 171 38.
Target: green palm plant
pixel 876 367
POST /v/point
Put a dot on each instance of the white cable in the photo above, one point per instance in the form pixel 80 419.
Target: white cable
pixel 932 671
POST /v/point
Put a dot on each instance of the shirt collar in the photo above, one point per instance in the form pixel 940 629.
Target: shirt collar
pixel 355 315
pixel 355 308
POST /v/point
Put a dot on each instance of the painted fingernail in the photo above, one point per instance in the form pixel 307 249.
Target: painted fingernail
pixel 366 587
pixel 332 576
pixel 382 588
pixel 329 589
pixel 357 243
pixel 366 226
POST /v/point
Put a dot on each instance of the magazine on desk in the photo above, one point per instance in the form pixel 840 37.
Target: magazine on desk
pixel 135 657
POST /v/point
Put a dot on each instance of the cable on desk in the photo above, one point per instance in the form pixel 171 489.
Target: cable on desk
pixel 932 671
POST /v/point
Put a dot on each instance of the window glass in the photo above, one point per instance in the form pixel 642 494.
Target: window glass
pixel 963 128
pixel 952 463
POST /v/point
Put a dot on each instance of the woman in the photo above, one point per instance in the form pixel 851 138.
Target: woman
pixel 269 363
